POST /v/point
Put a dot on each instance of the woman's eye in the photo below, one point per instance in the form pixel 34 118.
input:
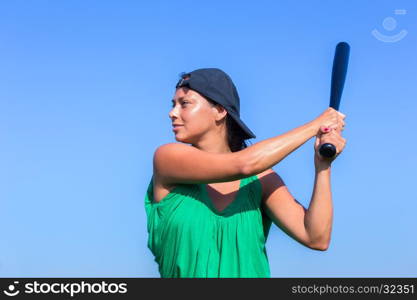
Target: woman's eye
pixel 182 103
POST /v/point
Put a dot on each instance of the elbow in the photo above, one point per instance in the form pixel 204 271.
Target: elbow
pixel 245 167
pixel 248 163
pixel 245 170
pixel 323 247
pixel 320 246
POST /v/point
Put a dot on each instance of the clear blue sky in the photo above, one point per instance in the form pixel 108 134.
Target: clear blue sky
pixel 85 90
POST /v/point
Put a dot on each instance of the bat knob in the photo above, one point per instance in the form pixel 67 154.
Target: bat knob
pixel 327 150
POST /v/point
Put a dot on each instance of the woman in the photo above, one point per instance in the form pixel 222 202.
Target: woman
pixel 210 204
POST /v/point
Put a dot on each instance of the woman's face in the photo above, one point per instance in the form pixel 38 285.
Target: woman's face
pixel 193 113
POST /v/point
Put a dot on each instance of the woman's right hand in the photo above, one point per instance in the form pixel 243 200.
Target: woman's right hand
pixel 331 118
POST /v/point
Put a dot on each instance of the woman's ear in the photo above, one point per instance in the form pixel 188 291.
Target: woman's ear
pixel 220 111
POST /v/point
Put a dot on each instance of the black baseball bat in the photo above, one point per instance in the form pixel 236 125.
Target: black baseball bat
pixel 340 64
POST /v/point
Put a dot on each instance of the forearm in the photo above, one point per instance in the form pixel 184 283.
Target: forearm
pixel 319 216
pixel 267 153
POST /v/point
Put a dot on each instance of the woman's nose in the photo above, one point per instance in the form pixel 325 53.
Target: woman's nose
pixel 172 113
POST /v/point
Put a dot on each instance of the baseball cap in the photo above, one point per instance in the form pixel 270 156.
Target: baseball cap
pixel 216 85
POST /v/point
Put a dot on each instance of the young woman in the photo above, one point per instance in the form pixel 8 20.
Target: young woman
pixel 210 204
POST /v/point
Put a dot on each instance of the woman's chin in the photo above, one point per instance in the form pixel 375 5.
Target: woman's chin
pixel 182 139
pixel 178 138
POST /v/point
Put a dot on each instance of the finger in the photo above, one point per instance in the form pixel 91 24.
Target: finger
pixel 339 129
pixel 334 128
pixel 317 142
pixel 332 136
pixel 325 129
pixel 339 144
pixel 340 147
pixel 342 126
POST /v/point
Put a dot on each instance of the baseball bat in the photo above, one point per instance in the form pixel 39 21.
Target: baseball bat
pixel 340 64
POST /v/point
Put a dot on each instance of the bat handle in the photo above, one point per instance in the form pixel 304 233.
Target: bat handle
pixel 327 150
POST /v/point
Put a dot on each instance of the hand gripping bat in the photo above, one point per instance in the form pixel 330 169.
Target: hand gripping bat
pixel 340 63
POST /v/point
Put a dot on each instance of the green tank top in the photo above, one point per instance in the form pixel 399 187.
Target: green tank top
pixel 190 238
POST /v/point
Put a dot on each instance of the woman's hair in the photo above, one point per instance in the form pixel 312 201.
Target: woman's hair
pixel 235 136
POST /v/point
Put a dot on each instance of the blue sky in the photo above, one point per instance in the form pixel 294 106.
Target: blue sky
pixel 84 101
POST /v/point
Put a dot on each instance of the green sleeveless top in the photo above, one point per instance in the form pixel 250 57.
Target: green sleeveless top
pixel 190 238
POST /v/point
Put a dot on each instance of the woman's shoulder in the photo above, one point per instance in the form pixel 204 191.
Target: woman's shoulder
pixel 268 180
pixel 161 189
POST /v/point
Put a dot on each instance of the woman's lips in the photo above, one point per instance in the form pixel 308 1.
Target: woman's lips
pixel 176 127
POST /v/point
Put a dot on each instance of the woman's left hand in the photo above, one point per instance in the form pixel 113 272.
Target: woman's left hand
pixel 332 136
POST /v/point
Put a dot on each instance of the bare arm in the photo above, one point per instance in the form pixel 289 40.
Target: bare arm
pixel 319 216
pixel 267 153
pixel 313 226
pixel 310 227
pixel 179 163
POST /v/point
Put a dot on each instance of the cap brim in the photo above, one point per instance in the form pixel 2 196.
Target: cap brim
pixel 246 130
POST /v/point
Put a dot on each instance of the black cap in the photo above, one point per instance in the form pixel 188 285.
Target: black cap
pixel 216 85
